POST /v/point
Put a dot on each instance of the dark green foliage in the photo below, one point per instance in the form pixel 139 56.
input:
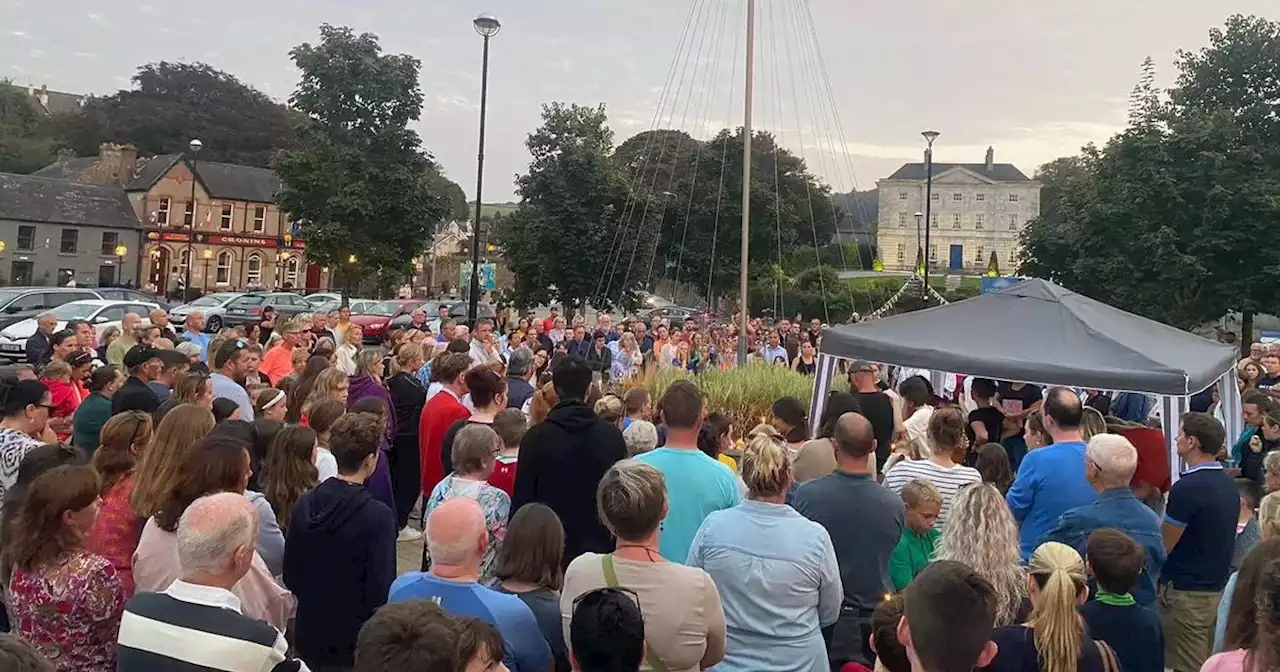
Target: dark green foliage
pixel 26 142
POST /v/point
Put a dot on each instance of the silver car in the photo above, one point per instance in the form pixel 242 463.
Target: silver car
pixel 213 306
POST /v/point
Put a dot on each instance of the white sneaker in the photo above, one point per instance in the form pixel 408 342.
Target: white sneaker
pixel 408 534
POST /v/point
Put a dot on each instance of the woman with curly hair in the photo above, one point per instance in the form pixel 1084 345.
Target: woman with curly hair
pixel 980 532
pixel 289 470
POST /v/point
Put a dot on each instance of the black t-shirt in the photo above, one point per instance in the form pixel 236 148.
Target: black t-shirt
pixel 808 369
pixel 1015 401
pixel 992 419
pixel 1205 503
pixel 878 410
pixel 1268 381
pixel 1132 631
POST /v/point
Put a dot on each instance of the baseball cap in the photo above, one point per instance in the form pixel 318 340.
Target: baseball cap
pixel 139 355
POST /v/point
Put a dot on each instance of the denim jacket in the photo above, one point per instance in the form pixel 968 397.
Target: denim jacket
pixel 1119 509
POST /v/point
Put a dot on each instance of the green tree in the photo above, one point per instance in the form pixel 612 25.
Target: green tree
pixel 453 195
pixel 358 180
pixel 25 141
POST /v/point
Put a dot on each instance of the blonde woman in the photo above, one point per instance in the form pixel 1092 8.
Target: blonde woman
pixel 609 409
pixel 626 359
pixel 347 352
pixel 1053 639
pixel 981 533
pixel 775 570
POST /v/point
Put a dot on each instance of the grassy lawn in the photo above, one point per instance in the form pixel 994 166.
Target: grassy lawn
pixel 938 282
pixel 503 209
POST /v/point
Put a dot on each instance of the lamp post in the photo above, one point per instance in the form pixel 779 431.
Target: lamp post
pixel 195 146
pixel 120 251
pixel 919 249
pixel 207 254
pixel 487 26
pixel 929 137
pixel 280 257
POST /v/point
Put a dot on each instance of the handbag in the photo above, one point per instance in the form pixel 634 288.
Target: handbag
pixel 1110 663
pixel 611 580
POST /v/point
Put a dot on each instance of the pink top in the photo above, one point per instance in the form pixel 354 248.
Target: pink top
pixel 1227 661
pixel 70 610
pixel 115 533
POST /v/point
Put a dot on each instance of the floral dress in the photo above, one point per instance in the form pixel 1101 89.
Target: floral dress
pixel 70 610
pixel 495 504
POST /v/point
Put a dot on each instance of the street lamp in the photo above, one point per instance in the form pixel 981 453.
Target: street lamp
pixel 207 253
pixel 195 146
pixel 487 26
pixel 929 137
pixel 919 249
pixel 121 250
pixel 280 259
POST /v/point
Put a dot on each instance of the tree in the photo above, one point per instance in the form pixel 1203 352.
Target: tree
pixel 993 266
pixel 556 244
pixel 175 102
pixel 358 180
pixel 25 141
pixel 437 183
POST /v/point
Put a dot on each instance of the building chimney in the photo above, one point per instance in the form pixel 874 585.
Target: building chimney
pixel 991 159
pixel 116 163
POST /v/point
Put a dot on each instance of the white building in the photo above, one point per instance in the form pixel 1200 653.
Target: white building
pixel 977 208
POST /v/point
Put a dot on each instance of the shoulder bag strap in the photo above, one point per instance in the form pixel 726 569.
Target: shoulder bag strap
pixel 1109 661
pixel 611 580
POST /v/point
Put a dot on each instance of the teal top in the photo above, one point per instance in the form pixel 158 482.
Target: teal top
pixel 697 486
pixel 913 552
pixel 86 425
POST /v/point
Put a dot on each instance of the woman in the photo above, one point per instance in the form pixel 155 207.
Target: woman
pixel 218 463
pixel 609 409
pixel 323 417
pixel 683 620
pixel 24 405
pixel 1092 424
pixel 715 437
pixel 993 464
pixel 289 470
pixel 114 535
pixel 626 360
pixel 807 361
pixel 350 349
pixel 367 382
pixel 522 328
pixel 817 458
pixel 1053 639
pixel 981 534
pixel 775 570
pixel 540 404
pixel 302 391
pixel 599 356
pixel 194 388
pixel 488 395
pixel 405 463
pixel 528 567
pixel 253 334
pixel 298 363
pixel 475 447
pixel 161 462
pixel 556 333
pixel 95 410
pixel 683 360
pixel 109 335
pixel 791 419
pixel 1036 435
pixel 1237 625
pixel 917 407
pixel 944 468
pixel 330 384
pixel 270 404
pixel 63 599
pixel 1248 374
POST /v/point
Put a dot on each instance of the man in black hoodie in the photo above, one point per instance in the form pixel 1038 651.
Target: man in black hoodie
pixel 563 458
pixel 340 551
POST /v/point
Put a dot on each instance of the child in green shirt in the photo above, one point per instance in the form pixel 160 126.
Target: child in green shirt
pixel 915 547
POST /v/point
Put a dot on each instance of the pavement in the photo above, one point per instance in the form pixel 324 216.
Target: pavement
pixel 409 555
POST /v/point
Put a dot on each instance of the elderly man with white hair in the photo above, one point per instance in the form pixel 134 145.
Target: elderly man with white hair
pixel 196 623
pixel 1110 462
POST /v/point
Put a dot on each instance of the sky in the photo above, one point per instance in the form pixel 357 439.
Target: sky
pixel 847 85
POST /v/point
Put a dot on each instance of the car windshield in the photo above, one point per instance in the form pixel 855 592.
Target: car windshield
pixel 246 301
pixel 210 300
pixel 384 309
pixel 318 299
pixel 74 311
pixel 7 295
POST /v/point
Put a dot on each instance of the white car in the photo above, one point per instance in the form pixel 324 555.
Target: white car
pixel 322 297
pixel 213 306
pixel 101 313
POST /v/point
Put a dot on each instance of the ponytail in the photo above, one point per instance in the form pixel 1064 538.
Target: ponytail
pixel 1058 629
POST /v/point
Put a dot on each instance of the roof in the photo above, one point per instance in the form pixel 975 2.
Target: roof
pixel 45 200
pixel 1000 172
pixel 1062 338
pixel 57 102
pixel 221 180
pixel 67 169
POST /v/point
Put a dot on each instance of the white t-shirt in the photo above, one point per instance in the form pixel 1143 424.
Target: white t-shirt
pixel 948 481
pixel 326 464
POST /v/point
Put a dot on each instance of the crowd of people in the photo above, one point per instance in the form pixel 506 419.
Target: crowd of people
pixel 175 500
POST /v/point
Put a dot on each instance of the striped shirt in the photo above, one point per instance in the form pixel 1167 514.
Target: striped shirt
pixel 948 480
pixel 193 628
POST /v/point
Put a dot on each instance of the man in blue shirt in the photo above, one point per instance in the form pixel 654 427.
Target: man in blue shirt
pixel 1051 480
pixel 1110 461
pixel 193 330
pixel 229 365
pixel 456 540
pixel 1199 536
pixel 771 352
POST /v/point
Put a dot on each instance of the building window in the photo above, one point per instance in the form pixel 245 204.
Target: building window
pixel 977 221
pixel 253 270
pixel 933 253
pixel 955 221
pixel 1013 198
pixel 190 214
pixel 183 256
pixel 1013 222
pixel 109 241
pixel 933 219
pixel 225 222
pixel 223 275
pixel 259 219
pixel 936 197
pixel 902 220
pixel 902 195
pixel 26 238
pixel 901 252
pixel 979 197
pixel 291 271
pixel 106 276
pixel 70 241
pixel 978 257
pixel 957 197
pixel 21 273
pixel 162 211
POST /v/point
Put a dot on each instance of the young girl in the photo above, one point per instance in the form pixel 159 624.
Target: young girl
pixel 289 470
pixel 323 415
pixel 66 395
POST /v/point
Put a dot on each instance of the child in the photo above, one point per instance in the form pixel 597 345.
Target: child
pixel 1113 616
pixel 890 654
pixel 1247 532
pixel 915 547
pixel 636 406
pixel 509 424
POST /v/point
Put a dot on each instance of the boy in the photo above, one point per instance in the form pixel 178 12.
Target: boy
pixel 1247 533
pixel 509 425
pixel 986 422
pixel 915 547
pixel 635 404
pixel 1113 616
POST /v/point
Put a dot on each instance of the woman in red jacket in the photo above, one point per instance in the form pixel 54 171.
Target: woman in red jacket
pixel 442 410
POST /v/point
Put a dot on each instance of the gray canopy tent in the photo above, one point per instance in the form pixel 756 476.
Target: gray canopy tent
pixel 1038 332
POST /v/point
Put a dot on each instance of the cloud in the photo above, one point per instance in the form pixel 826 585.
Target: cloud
pixel 21 34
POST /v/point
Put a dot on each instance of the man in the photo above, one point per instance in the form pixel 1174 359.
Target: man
pixel 948 620
pixel 578 344
pixel 636 406
pixel 415 635
pixel 540 334
pixel 1199 536
pixel 815 330
pixel 193 330
pixel 445 334
pixel 86 338
pixel 143 364
pixel 773 350
pixel 443 408
pixel 231 363
pixel 1051 479
pixel 1270 373
pixel 1246 453
pixel 875 406
pixel 563 458
pixel 1110 462
pixel 173 367
pixel 606 632
pixel 418 319
pixel 644 340
pixel 456 539
pixel 127 339
pixel 196 623
pixel 278 361
pixel 550 323
pixel 519 389
pixel 442 316
pixel 39 346
pixel 339 554
pixel 484 352
pixel 865 522
pixel 604 323
pixel 160 319
pixel 697 485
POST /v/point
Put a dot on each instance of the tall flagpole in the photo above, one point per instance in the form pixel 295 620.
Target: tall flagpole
pixel 746 184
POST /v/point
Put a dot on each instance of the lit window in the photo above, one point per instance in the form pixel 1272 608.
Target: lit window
pixel 162 211
pixel 977 221
pixel 225 222
pixel 253 270
pixel 223 276
pixel 955 221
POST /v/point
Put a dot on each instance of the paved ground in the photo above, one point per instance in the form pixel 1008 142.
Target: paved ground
pixel 408 556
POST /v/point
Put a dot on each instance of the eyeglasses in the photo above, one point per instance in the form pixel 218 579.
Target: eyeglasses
pixel 627 592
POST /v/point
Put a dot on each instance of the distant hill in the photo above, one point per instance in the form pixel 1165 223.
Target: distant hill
pixel 491 209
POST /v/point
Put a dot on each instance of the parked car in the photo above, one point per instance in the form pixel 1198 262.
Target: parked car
pixel 461 312
pixel 403 320
pixel 101 313
pixel 357 306
pixel 375 321
pixel 19 303
pixel 672 312
pixel 322 297
pixel 213 306
pixel 126 294
pixel 248 307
